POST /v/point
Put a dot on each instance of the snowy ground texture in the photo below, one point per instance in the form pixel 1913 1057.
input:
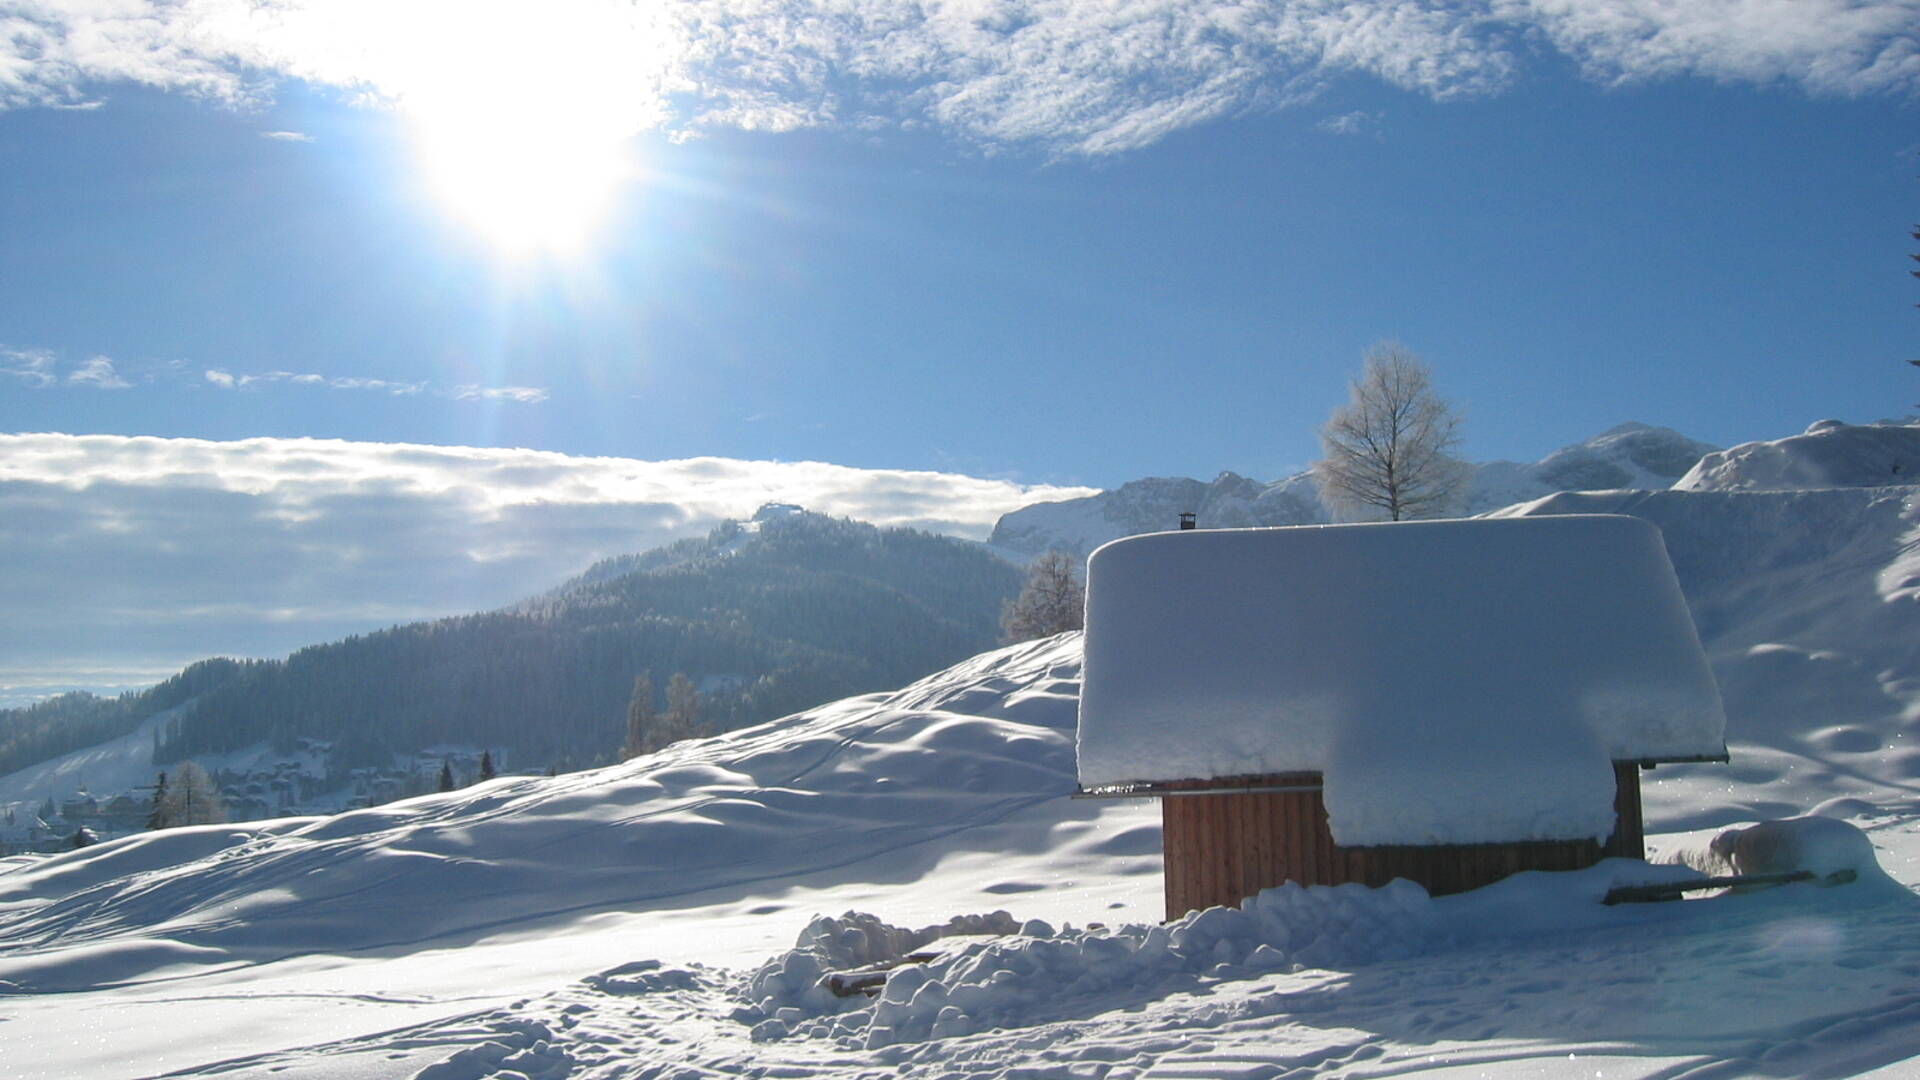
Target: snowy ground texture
pixel 670 917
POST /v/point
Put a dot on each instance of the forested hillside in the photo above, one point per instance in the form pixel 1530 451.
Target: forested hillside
pixel 766 617
pixel 72 721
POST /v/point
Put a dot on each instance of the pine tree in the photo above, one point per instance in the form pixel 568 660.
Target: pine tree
pixel 486 766
pixel 157 815
pixel 446 776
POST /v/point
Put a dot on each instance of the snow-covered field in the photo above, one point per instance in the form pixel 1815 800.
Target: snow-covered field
pixel 663 918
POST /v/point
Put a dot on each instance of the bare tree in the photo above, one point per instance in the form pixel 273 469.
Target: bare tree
pixel 683 707
pixel 640 716
pixel 1390 447
pixel 189 797
pixel 657 731
pixel 1053 600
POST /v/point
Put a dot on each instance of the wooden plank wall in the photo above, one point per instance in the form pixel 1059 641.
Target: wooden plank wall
pixel 1629 839
pixel 1221 849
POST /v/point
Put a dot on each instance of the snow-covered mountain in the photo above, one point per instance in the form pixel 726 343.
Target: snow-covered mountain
pixel 670 916
pixel 1629 456
pixel 1828 454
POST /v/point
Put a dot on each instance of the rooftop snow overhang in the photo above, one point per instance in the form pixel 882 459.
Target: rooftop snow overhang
pixel 1525 654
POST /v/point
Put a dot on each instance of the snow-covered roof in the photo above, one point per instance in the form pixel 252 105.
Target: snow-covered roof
pixel 1454 681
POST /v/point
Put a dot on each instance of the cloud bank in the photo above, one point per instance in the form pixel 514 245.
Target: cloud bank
pixel 130 557
pixel 1088 76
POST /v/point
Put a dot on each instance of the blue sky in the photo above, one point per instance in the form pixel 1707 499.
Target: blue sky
pixel 1725 256
pixel 1040 243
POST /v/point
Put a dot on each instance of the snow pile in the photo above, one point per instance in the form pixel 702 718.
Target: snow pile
pixel 1822 846
pixel 1829 454
pixel 1024 977
pixel 1455 681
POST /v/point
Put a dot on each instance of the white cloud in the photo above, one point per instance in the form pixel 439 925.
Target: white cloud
pixel 128 555
pixel 41 369
pixel 97 372
pixel 1358 122
pixel 35 367
pixel 525 395
pixel 227 380
pixel 287 136
pixel 1090 76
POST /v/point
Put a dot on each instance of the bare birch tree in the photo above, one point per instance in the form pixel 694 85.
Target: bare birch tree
pixel 1389 449
pixel 1052 600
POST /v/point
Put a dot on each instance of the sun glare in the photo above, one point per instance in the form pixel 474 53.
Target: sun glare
pixel 526 189
pixel 522 124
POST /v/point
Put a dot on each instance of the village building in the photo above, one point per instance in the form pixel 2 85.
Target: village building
pixel 22 830
pixel 1444 701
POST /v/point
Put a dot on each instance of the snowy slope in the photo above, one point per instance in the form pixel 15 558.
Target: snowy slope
pixel 110 767
pixel 637 921
pixel 1636 456
pixel 1828 454
pixel 658 918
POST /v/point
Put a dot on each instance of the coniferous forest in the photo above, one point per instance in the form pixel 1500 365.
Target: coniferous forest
pixel 767 618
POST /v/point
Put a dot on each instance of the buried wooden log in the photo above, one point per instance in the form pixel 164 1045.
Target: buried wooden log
pixel 1673 890
pixel 869 980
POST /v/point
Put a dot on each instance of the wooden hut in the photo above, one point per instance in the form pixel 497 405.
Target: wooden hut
pixel 1448 702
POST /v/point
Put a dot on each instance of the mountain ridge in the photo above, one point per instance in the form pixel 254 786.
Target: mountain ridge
pixel 1631 455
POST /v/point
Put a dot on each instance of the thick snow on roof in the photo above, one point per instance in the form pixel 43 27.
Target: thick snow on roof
pixel 1455 681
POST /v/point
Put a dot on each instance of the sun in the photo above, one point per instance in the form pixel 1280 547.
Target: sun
pixel 523 127
pixel 525 188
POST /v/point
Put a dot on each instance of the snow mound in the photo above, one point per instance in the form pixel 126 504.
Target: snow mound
pixel 1039 975
pixel 1818 844
pixel 1020 979
pixel 1828 454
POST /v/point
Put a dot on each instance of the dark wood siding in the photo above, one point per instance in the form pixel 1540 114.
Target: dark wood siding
pixel 1221 849
pixel 1629 839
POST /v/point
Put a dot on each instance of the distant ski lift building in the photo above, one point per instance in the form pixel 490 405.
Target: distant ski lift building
pixel 1444 701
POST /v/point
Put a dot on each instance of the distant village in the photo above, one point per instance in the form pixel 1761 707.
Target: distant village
pixel 296 786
